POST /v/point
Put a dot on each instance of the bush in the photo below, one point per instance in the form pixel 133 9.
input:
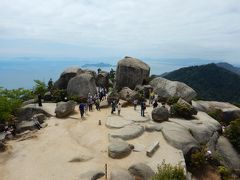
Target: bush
pixel 172 100
pixel 218 115
pixel 233 134
pixel 59 95
pixel 169 172
pixel 10 101
pixel 182 110
pixel 8 107
pixel 197 160
pixel 78 99
pixel 40 87
pixel 224 172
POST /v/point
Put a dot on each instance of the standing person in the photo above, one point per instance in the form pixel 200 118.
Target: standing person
pixel 50 84
pixel 113 106
pixel 97 104
pixel 119 107
pixel 39 100
pixel 155 104
pixel 81 109
pixel 143 107
pixel 90 103
pixel 135 102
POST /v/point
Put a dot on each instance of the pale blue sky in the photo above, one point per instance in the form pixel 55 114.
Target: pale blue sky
pixel 206 29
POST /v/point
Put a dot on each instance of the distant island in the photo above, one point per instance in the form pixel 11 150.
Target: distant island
pixel 101 65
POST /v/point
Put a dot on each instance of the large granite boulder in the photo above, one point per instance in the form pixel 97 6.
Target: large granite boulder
pixel 65 77
pixel 118 149
pixel 179 137
pixel 63 109
pixel 89 71
pixel 167 89
pixel 160 114
pixel 81 85
pixel 202 132
pixel 131 72
pixel 102 79
pixel 229 156
pixel 25 113
pixel 141 170
pixel 26 125
pixel 127 94
pixel 228 112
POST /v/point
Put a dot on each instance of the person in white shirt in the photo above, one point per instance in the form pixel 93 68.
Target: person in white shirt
pixel 119 106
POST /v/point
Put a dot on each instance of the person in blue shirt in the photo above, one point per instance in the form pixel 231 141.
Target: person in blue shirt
pixel 81 109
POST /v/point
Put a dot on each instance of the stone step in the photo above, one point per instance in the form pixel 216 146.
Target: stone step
pixel 152 148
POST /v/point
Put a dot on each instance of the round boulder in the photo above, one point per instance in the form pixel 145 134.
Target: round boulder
pixel 65 77
pixel 118 149
pixel 167 89
pixel 81 85
pixel 160 114
pixel 131 72
pixel 63 109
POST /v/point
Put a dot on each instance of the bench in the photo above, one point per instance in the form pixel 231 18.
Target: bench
pixel 152 148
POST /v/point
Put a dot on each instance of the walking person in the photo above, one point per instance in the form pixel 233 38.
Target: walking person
pixel 39 100
pixel 113 106
pixel 90 103
pixel 119 107
pixel 97 104
pixel 135 102
pixel 143 107
pixel 81 109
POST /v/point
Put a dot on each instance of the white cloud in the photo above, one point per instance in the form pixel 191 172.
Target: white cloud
pixel 154 28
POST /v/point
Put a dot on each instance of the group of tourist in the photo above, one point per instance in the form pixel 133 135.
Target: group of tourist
pixel 93 100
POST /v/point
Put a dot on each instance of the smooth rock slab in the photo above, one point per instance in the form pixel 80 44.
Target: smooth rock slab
pixel 117 122
pixel 230 158
pixel 136 116
pixel 118 149
pixel 128 132
pixel 179 137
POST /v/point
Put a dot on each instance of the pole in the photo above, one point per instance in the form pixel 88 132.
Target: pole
pixel 106 171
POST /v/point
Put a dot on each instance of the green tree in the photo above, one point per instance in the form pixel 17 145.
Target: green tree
pixel 40 87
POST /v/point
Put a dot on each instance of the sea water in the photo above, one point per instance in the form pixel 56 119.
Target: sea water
pixel 21 72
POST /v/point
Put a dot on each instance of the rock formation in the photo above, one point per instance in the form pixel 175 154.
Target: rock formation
pixel 63 109
pixel 131 72
pixel 167 89
pixel 81 85
pixel 65 77
pixel 160 114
